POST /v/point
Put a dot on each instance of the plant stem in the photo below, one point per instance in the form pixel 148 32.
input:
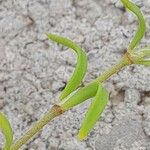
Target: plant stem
pixel 54 112
pixel 57 110
pixel 123 62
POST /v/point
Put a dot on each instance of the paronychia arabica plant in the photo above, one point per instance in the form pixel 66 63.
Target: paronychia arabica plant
pixel 72 95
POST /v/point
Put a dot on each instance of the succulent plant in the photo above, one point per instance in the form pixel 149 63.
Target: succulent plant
pixel 72 95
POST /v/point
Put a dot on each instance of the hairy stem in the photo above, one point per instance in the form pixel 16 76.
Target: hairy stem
pixel 123 62
pixel 54 112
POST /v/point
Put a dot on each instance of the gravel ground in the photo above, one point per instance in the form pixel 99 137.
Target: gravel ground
pixel 34 70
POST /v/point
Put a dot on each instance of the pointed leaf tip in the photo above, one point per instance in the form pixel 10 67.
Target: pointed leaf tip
pixel 81 66
pixel 82 135
pixel 96 108
pixel 141 27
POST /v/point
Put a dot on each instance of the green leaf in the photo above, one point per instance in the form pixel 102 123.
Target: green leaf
pixel 81 66
pixel 142 26
pixel 79 96
pixel 145 52
pixel 141 56
pixel 93 114
pixel 145 63
pixel 6 130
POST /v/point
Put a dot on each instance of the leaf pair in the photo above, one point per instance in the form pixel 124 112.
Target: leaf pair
pixel 6 130
pixel 97 106
pixel 93 89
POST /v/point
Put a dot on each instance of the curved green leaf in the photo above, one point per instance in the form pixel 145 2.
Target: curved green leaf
pixel 7 131
pixel 142 26
pixel 79 96
pixel 81 66
pixel 97 107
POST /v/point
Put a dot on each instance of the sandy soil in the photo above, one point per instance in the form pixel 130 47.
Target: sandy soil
pixel 34 70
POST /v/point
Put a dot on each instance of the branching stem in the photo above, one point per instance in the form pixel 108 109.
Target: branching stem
pixel 90 90
pixel 123 62
pixel 57 110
